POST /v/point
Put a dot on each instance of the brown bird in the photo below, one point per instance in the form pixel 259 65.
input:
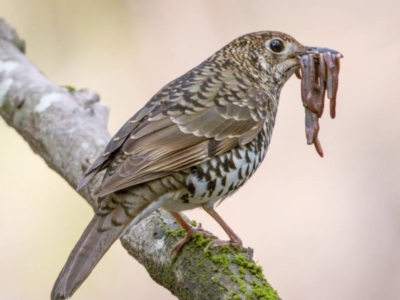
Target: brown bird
pixel 196 141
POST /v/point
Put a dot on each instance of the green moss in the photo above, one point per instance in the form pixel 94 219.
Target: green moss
pixel 201 241
pixel 254 269
pixel 263 292
pixel 226 249
pixel 167 278
pixel 242 272
pixel 240 282
pixel 234 296
pixel 227 260
pixel 174 232
pixel 260 289
pixel 6 107
pixel 222 260
pixel 70 88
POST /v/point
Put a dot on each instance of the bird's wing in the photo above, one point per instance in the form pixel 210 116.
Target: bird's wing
pixel 200 115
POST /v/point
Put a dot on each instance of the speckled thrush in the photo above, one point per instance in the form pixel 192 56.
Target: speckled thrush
pixel 196 141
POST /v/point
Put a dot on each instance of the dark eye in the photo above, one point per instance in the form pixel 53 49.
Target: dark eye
pixel 276 45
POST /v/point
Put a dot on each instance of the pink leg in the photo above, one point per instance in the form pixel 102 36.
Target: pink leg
pixel 190 232
pixel 234 239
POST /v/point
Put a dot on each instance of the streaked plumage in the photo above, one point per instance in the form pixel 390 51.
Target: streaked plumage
pixel 193 144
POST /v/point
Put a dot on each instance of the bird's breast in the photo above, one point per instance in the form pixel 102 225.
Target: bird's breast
pixel 222 175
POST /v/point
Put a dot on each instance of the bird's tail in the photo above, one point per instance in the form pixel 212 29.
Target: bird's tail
pixel 98 237
pixel 90 248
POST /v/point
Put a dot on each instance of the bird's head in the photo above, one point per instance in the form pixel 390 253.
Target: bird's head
pixel 271 53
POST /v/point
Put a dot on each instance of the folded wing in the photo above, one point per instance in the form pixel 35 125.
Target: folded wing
pixel 200 115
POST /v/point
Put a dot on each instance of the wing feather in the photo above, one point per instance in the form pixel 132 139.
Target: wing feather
pixel 191 120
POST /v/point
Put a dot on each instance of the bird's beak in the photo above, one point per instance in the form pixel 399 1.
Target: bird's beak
pixel 311 50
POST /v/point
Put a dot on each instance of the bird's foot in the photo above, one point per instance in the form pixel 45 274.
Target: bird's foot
pixel 218 243
pixel 188 236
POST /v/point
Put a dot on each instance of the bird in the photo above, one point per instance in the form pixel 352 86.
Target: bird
pixel 192 145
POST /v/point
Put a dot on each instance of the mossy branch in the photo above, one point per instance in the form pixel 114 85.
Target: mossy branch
pixel 54 120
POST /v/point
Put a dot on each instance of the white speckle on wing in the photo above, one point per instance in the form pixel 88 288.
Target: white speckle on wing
pixel 46 101
pixel 4 87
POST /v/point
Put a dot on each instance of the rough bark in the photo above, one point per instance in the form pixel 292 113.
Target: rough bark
pixel 55 120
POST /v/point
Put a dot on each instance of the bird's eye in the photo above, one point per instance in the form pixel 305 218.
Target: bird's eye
pixel 276 45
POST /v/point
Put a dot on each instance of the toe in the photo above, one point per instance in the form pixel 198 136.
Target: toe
pixel 178 246
pixel 219 243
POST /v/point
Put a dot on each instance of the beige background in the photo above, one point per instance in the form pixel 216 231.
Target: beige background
pixel 321 228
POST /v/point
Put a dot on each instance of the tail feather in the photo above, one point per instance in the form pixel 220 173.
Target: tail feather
pixel 97 238
pixel 90 248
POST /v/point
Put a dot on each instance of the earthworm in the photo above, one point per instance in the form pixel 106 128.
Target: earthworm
pixel 319 75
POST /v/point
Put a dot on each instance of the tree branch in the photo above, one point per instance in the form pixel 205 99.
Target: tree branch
pixel 67 128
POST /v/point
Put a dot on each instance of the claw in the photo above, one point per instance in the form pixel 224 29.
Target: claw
pixel 188 236
pixel 219 243
pixel 190 232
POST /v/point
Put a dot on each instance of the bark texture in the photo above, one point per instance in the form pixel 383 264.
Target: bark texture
pixel 55 120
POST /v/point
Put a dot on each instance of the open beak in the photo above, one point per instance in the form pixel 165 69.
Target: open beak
pixel 311 50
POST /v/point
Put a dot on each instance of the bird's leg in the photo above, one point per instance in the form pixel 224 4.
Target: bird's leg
pixel 190 232
pixel 234 239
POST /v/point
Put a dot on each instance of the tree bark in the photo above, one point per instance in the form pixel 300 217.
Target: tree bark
pixel 67 128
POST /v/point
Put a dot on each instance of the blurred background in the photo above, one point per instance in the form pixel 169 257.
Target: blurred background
pixel 321 228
